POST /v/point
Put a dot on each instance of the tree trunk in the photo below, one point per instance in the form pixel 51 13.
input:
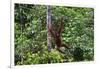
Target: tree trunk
pixel 48 33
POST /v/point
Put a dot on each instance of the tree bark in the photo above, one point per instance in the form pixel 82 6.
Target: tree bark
pixel 48 33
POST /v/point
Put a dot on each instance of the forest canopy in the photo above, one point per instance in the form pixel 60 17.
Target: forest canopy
pixel 30 30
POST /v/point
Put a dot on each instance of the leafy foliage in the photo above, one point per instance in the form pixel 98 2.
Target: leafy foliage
pixel 31 34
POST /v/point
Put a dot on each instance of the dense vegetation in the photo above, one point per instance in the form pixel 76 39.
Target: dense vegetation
pixel 31 34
